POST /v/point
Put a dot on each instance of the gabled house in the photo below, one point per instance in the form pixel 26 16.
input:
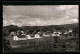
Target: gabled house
pixel 46 35
pixel 57 33
pixel 37 36
pixel 15 38
pixel 28 37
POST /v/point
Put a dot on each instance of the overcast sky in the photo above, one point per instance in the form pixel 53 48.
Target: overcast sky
pixel 37 15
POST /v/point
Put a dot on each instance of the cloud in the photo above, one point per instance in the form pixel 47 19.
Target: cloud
pixel 64 7
pixel 40 15
pixel 4 23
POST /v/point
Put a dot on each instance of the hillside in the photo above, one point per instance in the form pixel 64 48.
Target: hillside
pixel 10 28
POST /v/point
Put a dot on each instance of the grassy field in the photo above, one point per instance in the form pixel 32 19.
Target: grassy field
pixel 45 44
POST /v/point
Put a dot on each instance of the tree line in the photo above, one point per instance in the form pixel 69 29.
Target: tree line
pixel 15 28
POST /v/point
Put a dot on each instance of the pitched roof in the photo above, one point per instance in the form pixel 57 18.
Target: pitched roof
pixel 21 36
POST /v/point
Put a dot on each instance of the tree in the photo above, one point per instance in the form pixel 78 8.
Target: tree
pixel 5 32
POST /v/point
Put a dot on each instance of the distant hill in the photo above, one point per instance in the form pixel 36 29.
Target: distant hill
pixel 30 29
pixel 47 27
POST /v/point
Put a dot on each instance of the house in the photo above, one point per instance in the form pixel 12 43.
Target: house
pixel 56 33
pixel 46 35
pixel 28 37
pixel 70 30
pixel 59 32
pixel 53 34
pixel 22 32
pixel 66 32
pixel 37 36
pixel 15 38
pixel 12 34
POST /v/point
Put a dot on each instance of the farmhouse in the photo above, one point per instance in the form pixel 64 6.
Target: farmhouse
pixel 70 30
pixel 45 35
pixel 56 33
pixel 12 34
pixel 37 36
pixel 15 38
pixel 28 37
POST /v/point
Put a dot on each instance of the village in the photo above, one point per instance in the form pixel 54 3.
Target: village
pixel 40 28
pixel 21 35
pixel 44 41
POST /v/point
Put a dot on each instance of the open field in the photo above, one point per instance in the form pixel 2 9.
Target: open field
pixel 47 44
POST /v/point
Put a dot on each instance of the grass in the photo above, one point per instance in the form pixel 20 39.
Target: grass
pixel 34 45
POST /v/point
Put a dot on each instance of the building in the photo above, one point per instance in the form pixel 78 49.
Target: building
pixel 28 37
pixel 37 36
pixel 15 38
pixel 12 34
pixel 52 43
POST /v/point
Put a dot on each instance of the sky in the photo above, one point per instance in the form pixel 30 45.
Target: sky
pixel 40 15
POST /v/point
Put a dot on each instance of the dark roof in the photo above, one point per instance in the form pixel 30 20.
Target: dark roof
pixel 21 36
pixel 32 35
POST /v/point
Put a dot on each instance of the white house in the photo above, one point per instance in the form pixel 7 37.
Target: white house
pixel 65 32
pixel 56 33
pixel 28 37
pixel 53 34
pixel 37 36
pixel 70 30
pixel 22 32
pixel 46 35
pixel 59 32
pixel 38 32
pixel 15 38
